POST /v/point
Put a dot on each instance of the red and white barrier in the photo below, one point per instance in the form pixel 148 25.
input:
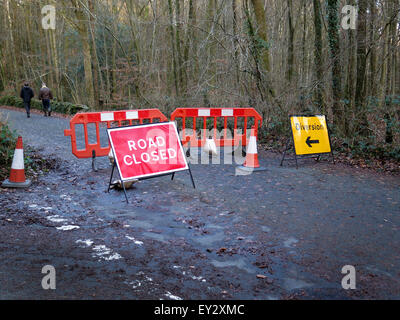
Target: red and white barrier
pixel 189 117
pixel 107 117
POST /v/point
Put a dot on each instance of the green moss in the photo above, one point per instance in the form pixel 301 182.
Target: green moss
pixel 8 140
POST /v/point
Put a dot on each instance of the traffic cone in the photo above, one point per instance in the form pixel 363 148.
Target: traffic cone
pixel 17 174
pixel 251 162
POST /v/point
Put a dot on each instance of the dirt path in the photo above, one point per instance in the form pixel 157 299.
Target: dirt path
pixel 278 234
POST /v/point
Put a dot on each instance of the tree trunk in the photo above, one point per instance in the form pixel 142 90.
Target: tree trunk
pixel 349 112
pixel 178 44
pixel 135 45
pixel 114 56
pixel 262 32
pixel 97 78
pixel 12 52
pixel 318 57
pixel 235 45
pixel 189 40
pixel 290 61
pixel 361 113
pixel 303 45
pixel 83 30
pixel 107 68
pixel 49 61
pixel 54 49
pixel 372 55
pixel 171 30
pixel 390 79
pixel 333 34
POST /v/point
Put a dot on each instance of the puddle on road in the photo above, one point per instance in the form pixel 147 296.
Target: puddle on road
pixel 214 226
pixel 375 270
pixel 289 242
pixel 265 229
pixel 209 239
pixel 239 263
pixel 140 224
pixel 292 284
pixel 155 236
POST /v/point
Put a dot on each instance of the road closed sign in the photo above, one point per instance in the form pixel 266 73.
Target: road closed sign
pixel 147 150
pixel 310 134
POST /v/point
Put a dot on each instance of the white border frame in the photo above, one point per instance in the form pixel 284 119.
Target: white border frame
pixel 143 126
pixel 327 132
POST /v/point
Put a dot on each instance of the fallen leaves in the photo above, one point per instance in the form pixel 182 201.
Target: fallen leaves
pixel 229 251
pixel 264 277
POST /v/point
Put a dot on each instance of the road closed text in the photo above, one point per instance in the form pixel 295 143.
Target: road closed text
pixel 145 155
pixel 147 150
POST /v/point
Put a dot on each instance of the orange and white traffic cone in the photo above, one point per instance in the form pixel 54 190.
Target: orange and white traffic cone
pixel 251 162
pixel 17 174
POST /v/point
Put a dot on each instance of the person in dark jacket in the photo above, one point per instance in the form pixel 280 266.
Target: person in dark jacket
pixel 27 95
pixel 45 95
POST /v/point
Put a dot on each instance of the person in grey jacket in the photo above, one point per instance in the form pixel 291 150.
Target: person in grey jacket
pixel 45 95
pixel 27 95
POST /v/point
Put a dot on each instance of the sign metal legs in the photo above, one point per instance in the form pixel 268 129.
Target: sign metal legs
pixel 123 184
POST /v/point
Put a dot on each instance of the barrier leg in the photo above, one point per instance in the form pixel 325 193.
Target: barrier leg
pixel 188 150
pixel 243 148
pixel 93 161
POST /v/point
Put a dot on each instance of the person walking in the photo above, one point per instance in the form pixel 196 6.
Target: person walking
pixel 45 95
pixel 27 95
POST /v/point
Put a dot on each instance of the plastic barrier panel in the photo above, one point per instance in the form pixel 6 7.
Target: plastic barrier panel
pixel 117 118
pixel 218 119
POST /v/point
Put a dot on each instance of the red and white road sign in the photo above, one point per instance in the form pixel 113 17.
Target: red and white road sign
pixel 147 150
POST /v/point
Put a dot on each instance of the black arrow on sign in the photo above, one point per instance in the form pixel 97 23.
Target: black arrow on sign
pixel 309 142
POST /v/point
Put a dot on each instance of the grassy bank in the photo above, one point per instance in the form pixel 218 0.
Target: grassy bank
pixel 35 164
pixel 7 146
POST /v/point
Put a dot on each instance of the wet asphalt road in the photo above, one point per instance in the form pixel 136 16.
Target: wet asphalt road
pixel 277 234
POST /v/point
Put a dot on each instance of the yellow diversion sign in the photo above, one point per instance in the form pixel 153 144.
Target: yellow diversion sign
pixel 310 134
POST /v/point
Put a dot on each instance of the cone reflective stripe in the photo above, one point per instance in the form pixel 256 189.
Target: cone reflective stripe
pixel 17 174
